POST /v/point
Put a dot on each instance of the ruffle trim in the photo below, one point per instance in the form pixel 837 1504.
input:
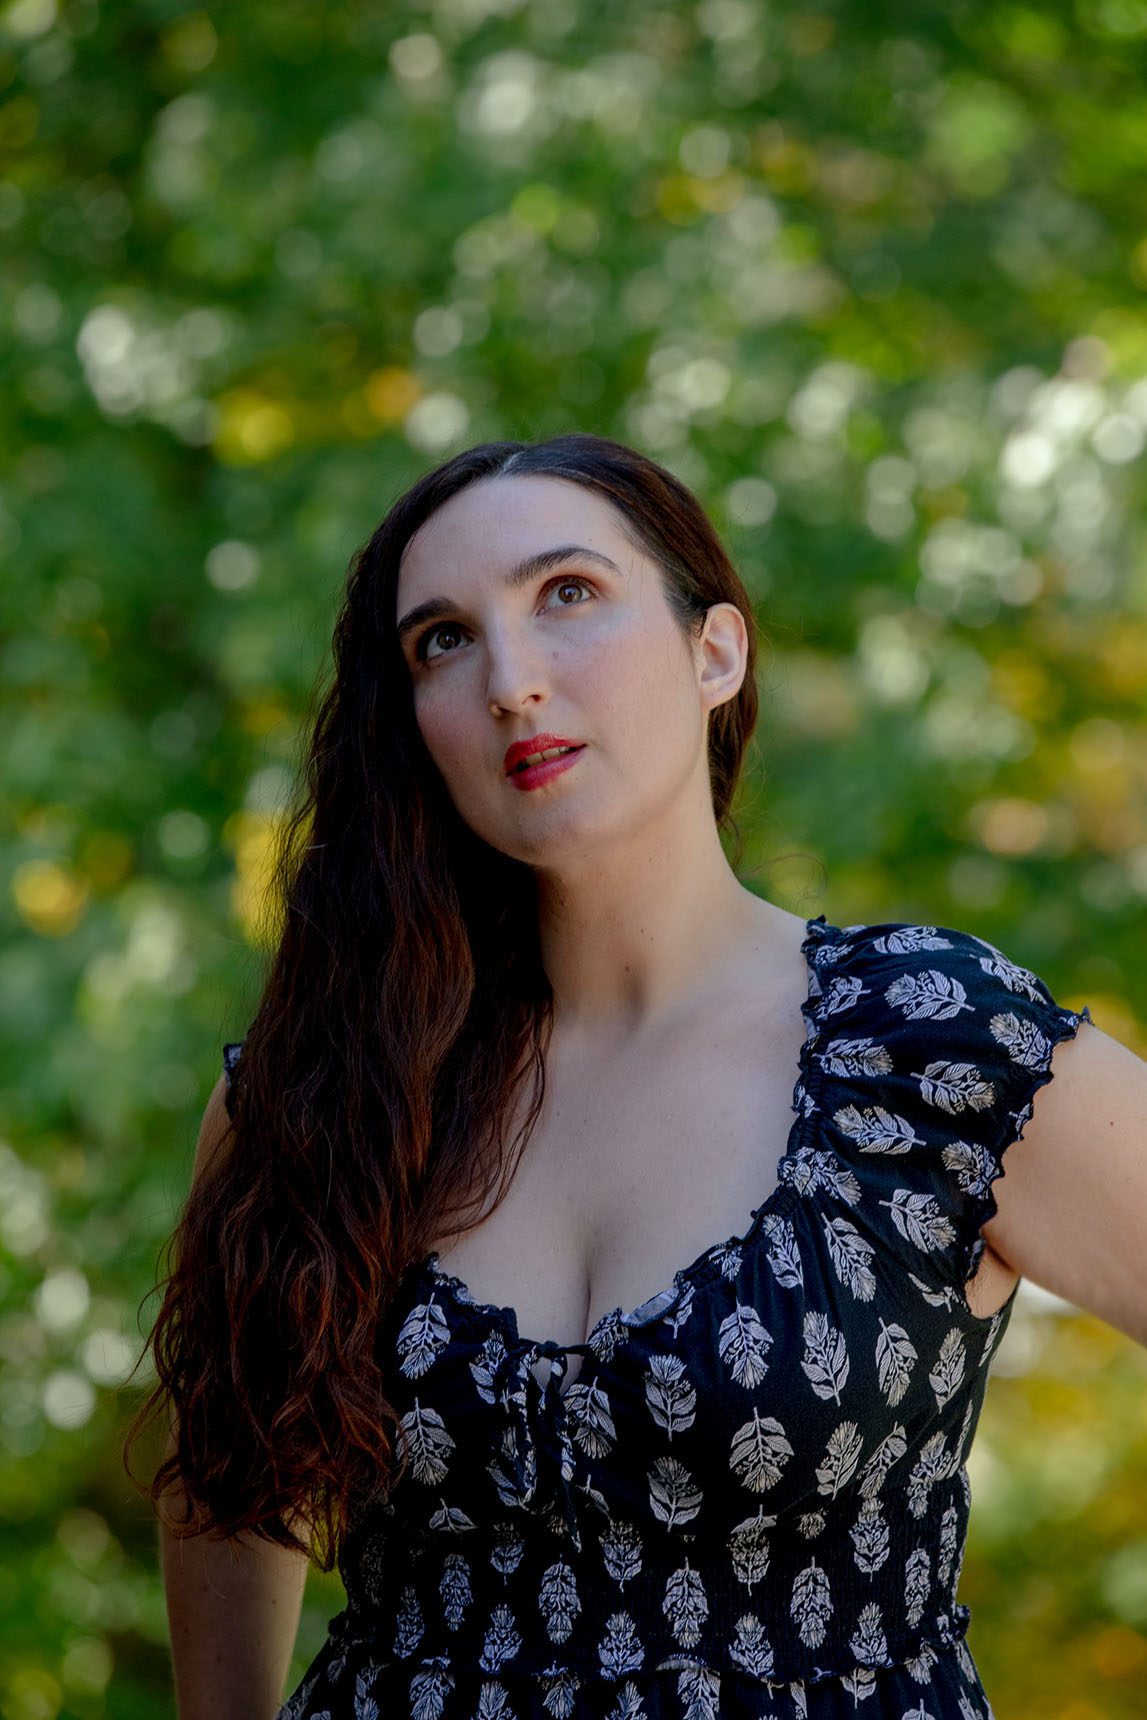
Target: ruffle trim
pixel 981 1204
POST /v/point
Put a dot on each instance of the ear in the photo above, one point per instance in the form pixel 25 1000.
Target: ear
pixel 722 653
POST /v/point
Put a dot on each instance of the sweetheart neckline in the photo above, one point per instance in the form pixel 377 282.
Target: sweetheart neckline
pixel 782 1196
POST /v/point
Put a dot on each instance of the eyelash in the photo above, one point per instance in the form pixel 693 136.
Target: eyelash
pixel 424 639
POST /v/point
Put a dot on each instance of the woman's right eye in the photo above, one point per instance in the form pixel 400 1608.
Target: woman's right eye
pixel 432 633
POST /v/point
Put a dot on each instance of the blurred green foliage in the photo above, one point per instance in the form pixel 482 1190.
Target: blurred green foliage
pixel 872 279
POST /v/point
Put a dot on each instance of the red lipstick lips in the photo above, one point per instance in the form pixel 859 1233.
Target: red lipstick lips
pixel 533 775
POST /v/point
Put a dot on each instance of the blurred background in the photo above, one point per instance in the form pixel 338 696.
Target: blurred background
pixel 871 279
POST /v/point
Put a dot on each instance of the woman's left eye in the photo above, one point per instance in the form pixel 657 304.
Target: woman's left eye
pixel 571 579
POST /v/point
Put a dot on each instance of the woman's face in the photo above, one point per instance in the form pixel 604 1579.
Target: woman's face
pixel 584 648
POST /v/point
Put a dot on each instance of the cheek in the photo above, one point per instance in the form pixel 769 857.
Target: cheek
pixel 447 728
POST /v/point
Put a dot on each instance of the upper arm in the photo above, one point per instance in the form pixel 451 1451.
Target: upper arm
pixel 1071 1210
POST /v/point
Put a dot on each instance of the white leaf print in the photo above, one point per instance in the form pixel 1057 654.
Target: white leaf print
pixel 621 1550
pixel 296 1705
pixel 869 1535
pixel 855 1057
pixel 965 1662
pixel 955 1087
pixel 493 1701
pixel 931 1466
pixel 484 1367
pixel 895 1354
pixel 558 1600
pixel 429 1690
pixel 841 1457
pixel 946 1552
pixel 678 1316
pixel 782 1252
pixel 917 1583
pixel 957 1564
pixel 423 1333
pixel 513 1491
pixel 749 1548
pixel 451 1517
pixel 686 1606
pixel 559 1693
pixel 890 1450
pixel 610 1335
pixel 975 1167
pixel 630 1704
pixel 589 1418
pixel 1016 978
pixel 843 992
pixel 759 1452
pixel 810 1169
pixel 674 1496
pixel 828 955
pixel 698 1691
pixel 965 1428
pixel 811 1524
pixel 990 1337
pixel 948 1372
pixel 409 1625
pixel 670 1395
pixel 620 1650
pixel 910 938
pixel 728 1257
pixel 930 995
pixel 751 1648
pixel 920 1666
pixel 502 1640
pixel 825 1359
pixel 850 1253
pixel 509 1549
pixel 945 1297
pixel 811 1604
pixel 1022 1040
pixel 429 1442
pixel 876 1130
pixel 455 1589
pixel 365 1707
pixel 919 1220
pixel 799 1699
pixel 742 1344
pixel 868 1641
pixel 859 1684
pixel 920 1713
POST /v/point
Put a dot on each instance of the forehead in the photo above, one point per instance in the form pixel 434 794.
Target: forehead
pixel 494 522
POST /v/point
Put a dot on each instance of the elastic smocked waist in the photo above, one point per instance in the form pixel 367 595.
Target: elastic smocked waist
pixel 867 1586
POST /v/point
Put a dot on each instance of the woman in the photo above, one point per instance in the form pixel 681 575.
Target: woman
pixel 398 1313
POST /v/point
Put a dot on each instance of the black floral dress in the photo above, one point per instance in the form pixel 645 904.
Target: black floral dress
pixel 752 1500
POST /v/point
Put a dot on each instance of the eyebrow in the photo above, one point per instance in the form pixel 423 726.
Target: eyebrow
pixel 520 574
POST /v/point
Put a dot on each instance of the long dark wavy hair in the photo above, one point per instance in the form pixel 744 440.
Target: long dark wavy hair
pixel 404 1006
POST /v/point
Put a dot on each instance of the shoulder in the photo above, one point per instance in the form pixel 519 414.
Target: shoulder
pixel 941 985
pixel 931 1044
pixel 214 1130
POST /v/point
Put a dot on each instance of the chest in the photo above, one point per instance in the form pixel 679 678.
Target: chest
pixel 640 1161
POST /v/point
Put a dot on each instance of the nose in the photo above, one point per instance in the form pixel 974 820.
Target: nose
pixel 517 674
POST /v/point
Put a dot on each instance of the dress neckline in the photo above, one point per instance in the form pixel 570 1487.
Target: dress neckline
pixel 709 1262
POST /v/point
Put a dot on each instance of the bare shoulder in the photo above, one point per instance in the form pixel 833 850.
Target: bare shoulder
pixel 214 1131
